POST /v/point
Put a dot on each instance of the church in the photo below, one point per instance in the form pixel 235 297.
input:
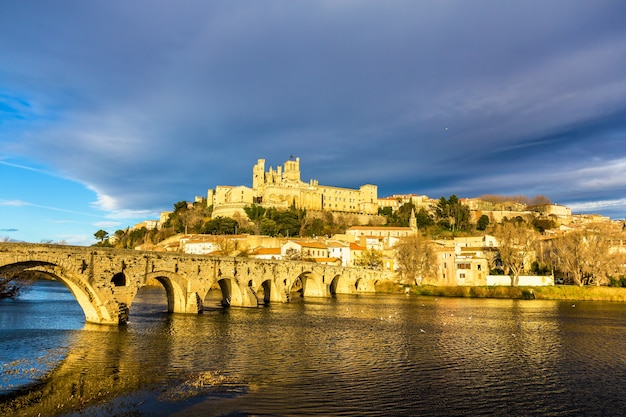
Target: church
pixel 282 187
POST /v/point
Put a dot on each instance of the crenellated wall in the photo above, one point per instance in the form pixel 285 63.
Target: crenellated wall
pixel 106 281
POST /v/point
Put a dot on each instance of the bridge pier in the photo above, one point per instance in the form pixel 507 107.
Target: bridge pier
pixel 312 287
pixel 236 294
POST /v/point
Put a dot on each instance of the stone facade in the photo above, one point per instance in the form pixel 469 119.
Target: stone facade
pixel 282 187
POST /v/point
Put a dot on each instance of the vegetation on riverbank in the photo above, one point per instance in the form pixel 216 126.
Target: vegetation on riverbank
pixel 556 292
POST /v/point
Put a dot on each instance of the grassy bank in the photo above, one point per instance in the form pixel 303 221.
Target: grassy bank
pixel 557 292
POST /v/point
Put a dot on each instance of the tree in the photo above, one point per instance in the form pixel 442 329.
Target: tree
pixel 221 226
pixel 543 224
pixel 288 222
pixel 423 219
pixel 568 252
pixel 483 222
pixel 255 213
pixel 268 227
pixel 601 262
pixel 452 214
pixel 516 242
pixel 539 200
pixel 416 258
pixel 101 235
pixel 493 260
pixel 370 258
pixel 586 255
pixel 188 218
pixel 312 227
pixel 227 246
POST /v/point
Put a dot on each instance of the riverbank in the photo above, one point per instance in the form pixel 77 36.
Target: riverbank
pixel 556 292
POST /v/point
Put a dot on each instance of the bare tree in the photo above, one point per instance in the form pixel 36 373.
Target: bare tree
pixel 416 258
pixel 292 254
pixel 493 257
pixel 587 256
pixel 227 246
pixel 516 242
pixel 539 200
pixel 569 252
pixel 600 260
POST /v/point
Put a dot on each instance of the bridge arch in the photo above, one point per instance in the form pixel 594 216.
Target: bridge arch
pixel 334 286
pixel 363 285
pixel 265 290
pixel 312 285
pixel 84 294
pixel 175 287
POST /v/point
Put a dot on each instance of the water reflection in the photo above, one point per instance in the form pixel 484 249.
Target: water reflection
pixel 349 355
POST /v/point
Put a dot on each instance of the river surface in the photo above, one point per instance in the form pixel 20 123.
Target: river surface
pixel 365 355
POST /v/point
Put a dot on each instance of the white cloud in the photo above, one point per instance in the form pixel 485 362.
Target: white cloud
pixel 14 203
pixel 103 202
pixel 598 206
pixel 606 174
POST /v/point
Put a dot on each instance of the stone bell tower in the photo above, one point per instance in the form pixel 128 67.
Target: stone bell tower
pixel 413 221
pixel 258 174
pixel 292 170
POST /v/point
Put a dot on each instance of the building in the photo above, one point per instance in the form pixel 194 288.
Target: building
pixel 355 253
pixel 266 253
pixel 398 200
pixel 282 188
pixel 305 249
pixel 340 250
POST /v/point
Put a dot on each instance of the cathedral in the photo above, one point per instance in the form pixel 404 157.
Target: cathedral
pixel 282 187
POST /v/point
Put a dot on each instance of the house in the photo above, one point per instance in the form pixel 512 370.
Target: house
pixel 339 250
pixel 266 253
pixel 304 249
pixel 355 252
pixel 378 238
pixel 462 261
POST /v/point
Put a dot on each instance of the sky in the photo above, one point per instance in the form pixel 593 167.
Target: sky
pixel 111 112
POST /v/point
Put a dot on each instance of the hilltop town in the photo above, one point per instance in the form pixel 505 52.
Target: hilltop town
pixel 445 241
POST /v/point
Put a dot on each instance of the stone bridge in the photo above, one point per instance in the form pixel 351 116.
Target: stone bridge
pixel 105 281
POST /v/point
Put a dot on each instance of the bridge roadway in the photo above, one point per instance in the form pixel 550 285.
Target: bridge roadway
pixel 105 281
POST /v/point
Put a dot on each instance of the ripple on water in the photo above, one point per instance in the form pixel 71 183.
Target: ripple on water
pixel 362 355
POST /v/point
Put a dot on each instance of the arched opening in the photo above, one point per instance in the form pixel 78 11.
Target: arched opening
pixel 297 287
pixel 264 292
pixel 175 295
pixel 45 302
pixel 151 299
pixel 213 298
pixel 32 271
pixel 333 285
pixel 119 280
pixel 224 293
pixel 45 310
pixel 226 288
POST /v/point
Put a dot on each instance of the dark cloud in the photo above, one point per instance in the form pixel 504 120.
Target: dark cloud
pixel 152 102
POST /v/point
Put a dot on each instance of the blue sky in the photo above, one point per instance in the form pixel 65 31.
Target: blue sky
pixel 111 112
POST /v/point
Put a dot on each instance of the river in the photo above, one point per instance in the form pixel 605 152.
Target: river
pixel 365 355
